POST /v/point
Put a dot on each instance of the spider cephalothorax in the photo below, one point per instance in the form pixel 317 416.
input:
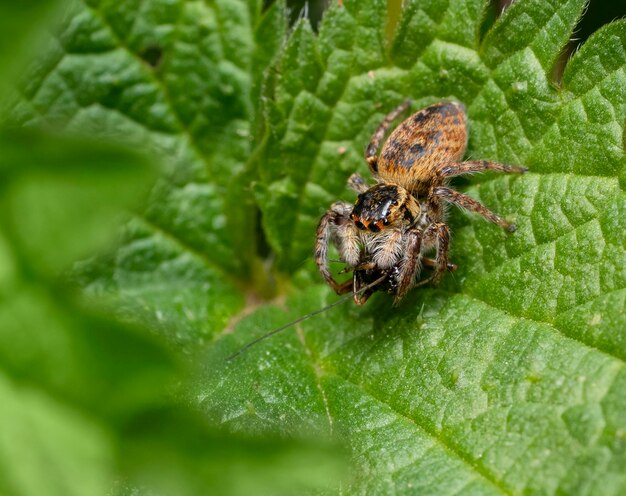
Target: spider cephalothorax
pixel 383 205
pixel 385 235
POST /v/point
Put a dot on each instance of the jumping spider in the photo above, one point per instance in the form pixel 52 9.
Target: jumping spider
pixel 385 234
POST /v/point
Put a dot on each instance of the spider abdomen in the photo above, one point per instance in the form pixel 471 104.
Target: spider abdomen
pixel 427 140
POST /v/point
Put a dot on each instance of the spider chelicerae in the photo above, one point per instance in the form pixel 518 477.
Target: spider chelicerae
pixel 383 238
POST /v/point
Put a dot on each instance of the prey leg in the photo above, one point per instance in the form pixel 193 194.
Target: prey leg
pixel 432 263
pixel 363 266
pixel 366 283
pixel 344 287
pixel 359 297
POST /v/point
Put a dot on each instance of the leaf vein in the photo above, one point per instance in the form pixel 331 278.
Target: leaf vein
pixel 163 231
pixel 609 353
pixel 437 437
pixel 318 374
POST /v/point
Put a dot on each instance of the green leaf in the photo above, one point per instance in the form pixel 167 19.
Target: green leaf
pixel 84 399
pixel 509 378
pixel 188 92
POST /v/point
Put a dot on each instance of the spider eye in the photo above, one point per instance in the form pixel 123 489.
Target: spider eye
pixel 359 224
pixel 376 227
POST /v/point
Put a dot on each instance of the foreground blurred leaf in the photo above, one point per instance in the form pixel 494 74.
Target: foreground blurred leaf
pixel 62 197
pixel 69 377
pixel 20 24
pixel 99 394
pixel 180 79
pixel 192 464
pixel 84 399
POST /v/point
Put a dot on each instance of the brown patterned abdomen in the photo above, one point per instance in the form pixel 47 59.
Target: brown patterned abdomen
pixel 425 142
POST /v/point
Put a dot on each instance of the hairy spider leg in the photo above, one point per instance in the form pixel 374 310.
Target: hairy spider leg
pixel 336 224
pixel 356 182
pixel 460 168
pixel 436 234
pixel 468 203
pixel 379 134
pixel 411 266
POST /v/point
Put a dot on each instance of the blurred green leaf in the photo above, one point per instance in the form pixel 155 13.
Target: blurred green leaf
pixel 62 197
pixel 85 399
pixel 20 24
pixel 188 92
pixel 88 402
pixel 69 376
pixel 189 464
pixel 48 447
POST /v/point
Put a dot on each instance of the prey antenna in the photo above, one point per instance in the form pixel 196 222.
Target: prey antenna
pixel 341 300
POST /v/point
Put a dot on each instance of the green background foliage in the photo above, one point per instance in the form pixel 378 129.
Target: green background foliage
pixel 508 378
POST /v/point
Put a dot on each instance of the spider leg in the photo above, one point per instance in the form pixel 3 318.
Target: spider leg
pixel 344 287
pixel 336 226
pixel 362 266
pixel 357 183
pixel 440 234
pixel 431 264
pixel 470 166
pixel 411 266
pixel 372 148
pixel 468 203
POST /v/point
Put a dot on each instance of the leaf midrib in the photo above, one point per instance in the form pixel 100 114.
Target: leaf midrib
pixel 442 441
pixel 481 472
